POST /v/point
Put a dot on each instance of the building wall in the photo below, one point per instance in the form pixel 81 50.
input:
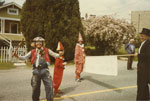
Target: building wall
pixel 140 19
pixel 3 12
pixel 8 22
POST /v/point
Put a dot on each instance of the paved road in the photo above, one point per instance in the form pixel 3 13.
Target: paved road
pixel 15 85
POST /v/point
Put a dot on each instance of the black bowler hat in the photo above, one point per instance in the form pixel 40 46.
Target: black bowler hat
pixel 145 31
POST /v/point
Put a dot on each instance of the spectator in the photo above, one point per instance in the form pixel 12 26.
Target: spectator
pixel 130 48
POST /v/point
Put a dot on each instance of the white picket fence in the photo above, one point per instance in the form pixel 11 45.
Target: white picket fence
pixel 6 53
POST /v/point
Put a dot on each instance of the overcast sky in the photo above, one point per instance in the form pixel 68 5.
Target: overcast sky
pixel 117 8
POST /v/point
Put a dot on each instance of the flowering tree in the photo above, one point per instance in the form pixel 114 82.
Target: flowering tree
pixel 108 34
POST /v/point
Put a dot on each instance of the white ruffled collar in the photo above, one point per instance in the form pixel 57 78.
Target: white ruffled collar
pixel 80 45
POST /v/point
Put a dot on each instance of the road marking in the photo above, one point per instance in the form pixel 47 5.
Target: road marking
pixel 94 92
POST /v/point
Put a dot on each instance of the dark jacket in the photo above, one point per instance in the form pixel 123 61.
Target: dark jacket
pixel 143 73
pixel 144 56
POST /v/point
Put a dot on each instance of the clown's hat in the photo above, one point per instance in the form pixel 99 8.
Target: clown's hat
pixel 60 46
pixel 80 37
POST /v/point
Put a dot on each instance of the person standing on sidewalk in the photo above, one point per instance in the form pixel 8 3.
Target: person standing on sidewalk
pixel 58 70
pixel 40 61
pixel 143 67
pixel 79 58
pixel 130 48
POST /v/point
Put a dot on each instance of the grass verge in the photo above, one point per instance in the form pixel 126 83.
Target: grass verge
pixel 122 51
pixel 8 65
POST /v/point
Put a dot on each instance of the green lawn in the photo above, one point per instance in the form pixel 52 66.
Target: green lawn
pixel 122 51
pixel 8 65
pixel 90 47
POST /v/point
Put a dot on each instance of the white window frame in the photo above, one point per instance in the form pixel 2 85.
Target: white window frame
pixel 8 11
pixel 10 27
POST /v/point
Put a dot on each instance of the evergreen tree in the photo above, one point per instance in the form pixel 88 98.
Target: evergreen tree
pixel 65 26
pixel 54 20
pixel 34 19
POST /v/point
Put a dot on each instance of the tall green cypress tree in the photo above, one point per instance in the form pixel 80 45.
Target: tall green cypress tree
pixel 54 20
pixel 65 26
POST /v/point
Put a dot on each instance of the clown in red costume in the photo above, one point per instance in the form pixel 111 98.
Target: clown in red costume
pixel 79 58
pixel 58 70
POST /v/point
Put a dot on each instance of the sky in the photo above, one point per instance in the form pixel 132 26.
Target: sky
pixel 116 8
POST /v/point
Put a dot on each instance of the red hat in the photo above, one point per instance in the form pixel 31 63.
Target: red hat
pixel 60 46
pixel 80 37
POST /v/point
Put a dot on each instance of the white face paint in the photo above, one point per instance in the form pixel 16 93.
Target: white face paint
pixel 61 52
pixel 38 44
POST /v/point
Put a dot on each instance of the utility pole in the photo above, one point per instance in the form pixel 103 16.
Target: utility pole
pixel 138 23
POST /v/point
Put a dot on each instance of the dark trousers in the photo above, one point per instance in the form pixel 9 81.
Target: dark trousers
pixel 44 75
pixel 130 61
pixel 143 80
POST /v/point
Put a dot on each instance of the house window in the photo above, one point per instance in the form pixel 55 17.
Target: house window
pixel 13 11
pixel 14 28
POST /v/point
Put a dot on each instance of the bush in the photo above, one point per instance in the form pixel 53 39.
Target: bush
pixel 108 34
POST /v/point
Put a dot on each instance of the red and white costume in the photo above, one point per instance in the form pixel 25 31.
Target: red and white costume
pixel 79 57
pixel 58 70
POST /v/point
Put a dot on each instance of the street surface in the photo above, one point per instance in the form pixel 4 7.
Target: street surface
pixel 15 85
